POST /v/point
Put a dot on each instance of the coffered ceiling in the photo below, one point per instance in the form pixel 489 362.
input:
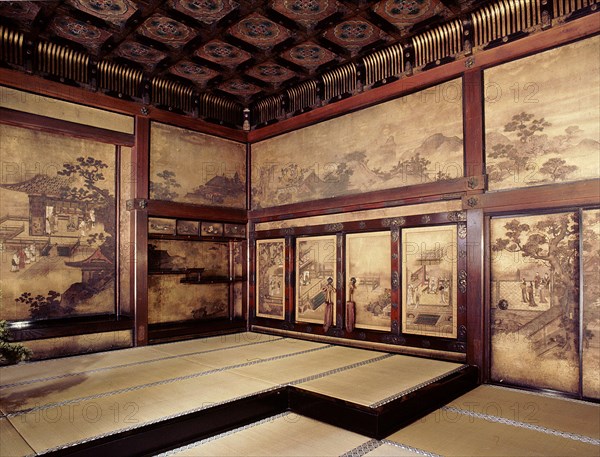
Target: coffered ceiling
pixel 243 50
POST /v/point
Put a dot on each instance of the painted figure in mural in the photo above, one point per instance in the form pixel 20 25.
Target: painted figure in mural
pixel 51 220
pixel 410 296
pixel 524 291
pixel 329 291
pixel 14 263
pixel 21 259
pixel 93 218
pixel 531 294
pixel 33 252
pixel 545 288
pixel 351 306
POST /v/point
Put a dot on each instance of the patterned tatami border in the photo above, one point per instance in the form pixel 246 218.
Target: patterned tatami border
pixel 132 364
pixel 163 382
pixel 417 387
pixel 223 435
pixel 514 423
pixel 231 400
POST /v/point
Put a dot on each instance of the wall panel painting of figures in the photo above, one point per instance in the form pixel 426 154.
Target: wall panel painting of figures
pixel 542 118
pixel 429 281
pixel 315 267
pixel 191 167
pixel 57 225
pixel 591 302
pixel 535 300
pixel 412 140
pixel 369 269
pixel 270 278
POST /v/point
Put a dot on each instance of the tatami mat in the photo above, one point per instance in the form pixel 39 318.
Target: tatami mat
pixel 381 380
pixel 11 443
pixel 570 416
pixel 284 435
pixel 389 450
pixel 306 365
pixel 57 425
pixel 460 429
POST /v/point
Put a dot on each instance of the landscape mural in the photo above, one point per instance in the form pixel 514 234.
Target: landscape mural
pixel 429 280
pixel 591 303
pixel 176 271
pixel 535 301
pixel 190 167
pixel 415 139
pixel 315 265
pixel 57 225
pixel 368 263
pixel 270 278
pixel 542 118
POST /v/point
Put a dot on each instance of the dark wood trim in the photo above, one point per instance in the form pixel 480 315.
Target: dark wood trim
pixel 171 433
pixel 384 420
pixel 475 297
pixel 38 85
pixel 140 158
pixel 473 123
pixel 177 331
pixel 580 193
pixel 56 328
pixel 485 369
pixel 163 208
pixel 369 225
pixel 555 36
pixel 419 193
pixel 58 126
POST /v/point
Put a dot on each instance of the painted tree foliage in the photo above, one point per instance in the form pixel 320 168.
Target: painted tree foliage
pixel 553 242
pixel 165 188
pixel 527 155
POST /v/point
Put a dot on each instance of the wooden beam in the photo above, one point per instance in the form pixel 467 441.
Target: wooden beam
pixel 567 195
pixel 38 85
pixel 58 126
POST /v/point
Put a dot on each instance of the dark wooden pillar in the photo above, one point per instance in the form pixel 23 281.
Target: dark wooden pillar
pixel 139 230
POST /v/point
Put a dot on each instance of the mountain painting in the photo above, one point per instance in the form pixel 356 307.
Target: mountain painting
pixel 542 119
pixel 412 140
pixel 206 171
pixel 57 226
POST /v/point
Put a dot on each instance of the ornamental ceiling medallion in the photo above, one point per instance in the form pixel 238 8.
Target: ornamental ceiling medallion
pixel 205 11
pixel 259 31
pixel 239 87
pixel 404 14
pixel 167 31
pixel 140 53
pixel 222 53
pixel 309 55
pixel 270 72
pixel 355 34
pixel 22 12
pixel 307 12
pixel 114 11
pixel 189 70
pixel 78 31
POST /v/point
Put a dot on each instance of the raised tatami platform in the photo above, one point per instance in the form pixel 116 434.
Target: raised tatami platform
pixel 153 396
pixel 486 422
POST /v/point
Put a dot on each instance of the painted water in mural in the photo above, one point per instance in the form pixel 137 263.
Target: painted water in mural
pixel 542 118
pixel 591 303
pixel 57 225
pixel 270 278
pixel 429 281
pixel 535 301
pixel 315 265
pixel 415 139
pixel 190 167
pixel 368 263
